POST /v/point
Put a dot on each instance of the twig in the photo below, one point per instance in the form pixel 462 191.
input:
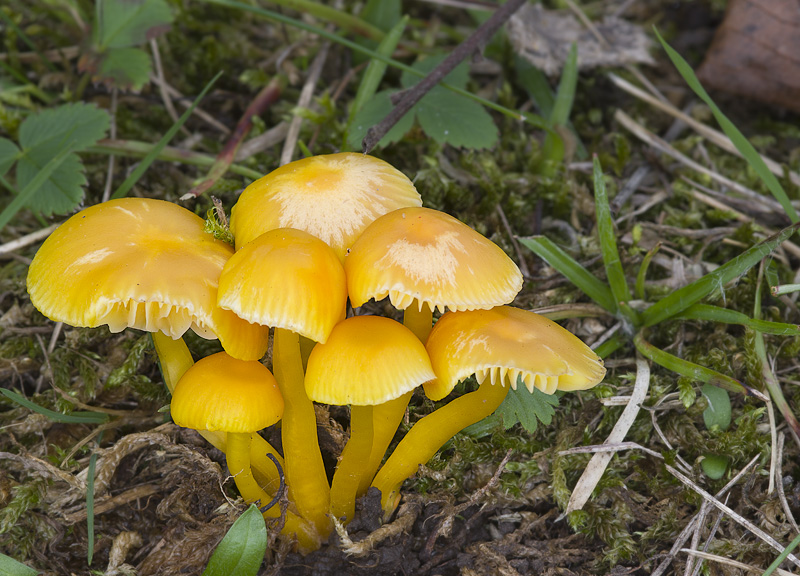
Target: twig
pixel 736 517
pixel 781 493
pixel 523 265
pixel 729 562
pixel 162 84
pixel 258 144
pixel 598 463
pixel 706 132
pixel 27 240
pixel 181 99
pixel 268 96
pixel 112 132
pixel 649 138
pixel 413 95
pixel 304 101
pixel 281 486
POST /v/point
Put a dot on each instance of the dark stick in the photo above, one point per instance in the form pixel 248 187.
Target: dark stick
pixel 415 94
pixel 281 488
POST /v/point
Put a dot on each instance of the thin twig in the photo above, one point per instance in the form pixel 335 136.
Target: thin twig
pixel 523 265
pixel 304 101
pixel 162 83
pixel 112 132
pixel 413 95
pixel 781 494
pixel 27 240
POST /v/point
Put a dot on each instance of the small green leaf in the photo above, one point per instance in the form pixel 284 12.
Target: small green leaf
pixel 10 567
pixel 718 412
pixel 686 393
pixel 8 155
pixel 714 466
pixel 241 551
pixel 61 193
pixel 372 113
pixel 125 68
pixel 527 408
pixel 452 119
pixel 457 78
pixel 125 23
pixel 382 13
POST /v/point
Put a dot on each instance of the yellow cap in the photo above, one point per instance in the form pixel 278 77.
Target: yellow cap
pixel 288 279
pixel 139 263
pixel 367 360
pixel 504 344
pixel 334 197
pixel 422 255
pixel 220 393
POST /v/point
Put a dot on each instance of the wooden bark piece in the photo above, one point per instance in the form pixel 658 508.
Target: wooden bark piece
pixel 756 52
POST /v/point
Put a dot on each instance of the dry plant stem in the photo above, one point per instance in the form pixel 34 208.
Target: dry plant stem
pixel 303 467
pixel 429 434
pixel 304 101
pixel 162 83
pixel 112 132
pixel 729 562
pixel 781 493
pixel 350 470
pixel 413 95
pixel 736 517
pixel 186 102
pixel 175 360
pixel 649 138
pixel 598 463
pixel 260 104
pixel 27 240
pixel 707 132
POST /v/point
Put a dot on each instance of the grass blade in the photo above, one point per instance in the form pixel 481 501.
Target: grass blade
pixel 742 144
pixel 553 147
pixel 608 241
pixel 74 418
pixel 129 182
pixel 690 369
pixel 709 313
pixel 684 297
pixel 545 249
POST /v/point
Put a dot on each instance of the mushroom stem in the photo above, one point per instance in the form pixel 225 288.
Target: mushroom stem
pixel 238 458
pixel 429 434
pixel 304 470
pixel 386 419
pixel 387 416
pixel 175 360
pixel 350 470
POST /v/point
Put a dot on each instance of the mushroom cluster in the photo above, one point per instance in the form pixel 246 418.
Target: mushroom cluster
pixel 310 236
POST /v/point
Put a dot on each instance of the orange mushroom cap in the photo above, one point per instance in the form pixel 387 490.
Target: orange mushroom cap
pixel 504 344
pixel 422 255
pixel 288 279
pixel 367 360
pixel 334 197
pixel 221 393
pixel 139 263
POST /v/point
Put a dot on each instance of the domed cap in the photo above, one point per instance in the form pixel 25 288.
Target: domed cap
pixel 505 343
pixel 367 360
pixel 288 279
pixel 429 256
pixel 334 197
pixel 139 263
pixel 220 393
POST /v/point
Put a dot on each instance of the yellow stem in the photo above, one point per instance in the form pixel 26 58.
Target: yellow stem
pixel 429 434
pixel 350 470
pixel 304 470
pixel 419 321
pixel 386 419
pixel 238 457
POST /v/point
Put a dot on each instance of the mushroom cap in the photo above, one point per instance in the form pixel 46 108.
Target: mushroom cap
pixel 334 197
pixel 505 343
pixel 367 360
pixel 429 256
pixel 288 279
pixel 139 263
pixel 221 393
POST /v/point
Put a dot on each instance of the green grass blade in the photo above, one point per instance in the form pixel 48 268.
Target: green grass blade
pixel 33 186
pixel 742 144
pixel 565 95
pixel 709 313
pixel 528 118
pixel 74 418
pixel 684 297
pixel 641 276
pixel 545 249
pixel 129 182
pixel 608 238
pixel 689 369
pixel 10 567
pixel 782 556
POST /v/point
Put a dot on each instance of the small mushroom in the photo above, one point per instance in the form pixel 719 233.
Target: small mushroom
pixel 367 361
pixel 293 282
pixel 334 197
pixel 236 397
pixel 501 346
